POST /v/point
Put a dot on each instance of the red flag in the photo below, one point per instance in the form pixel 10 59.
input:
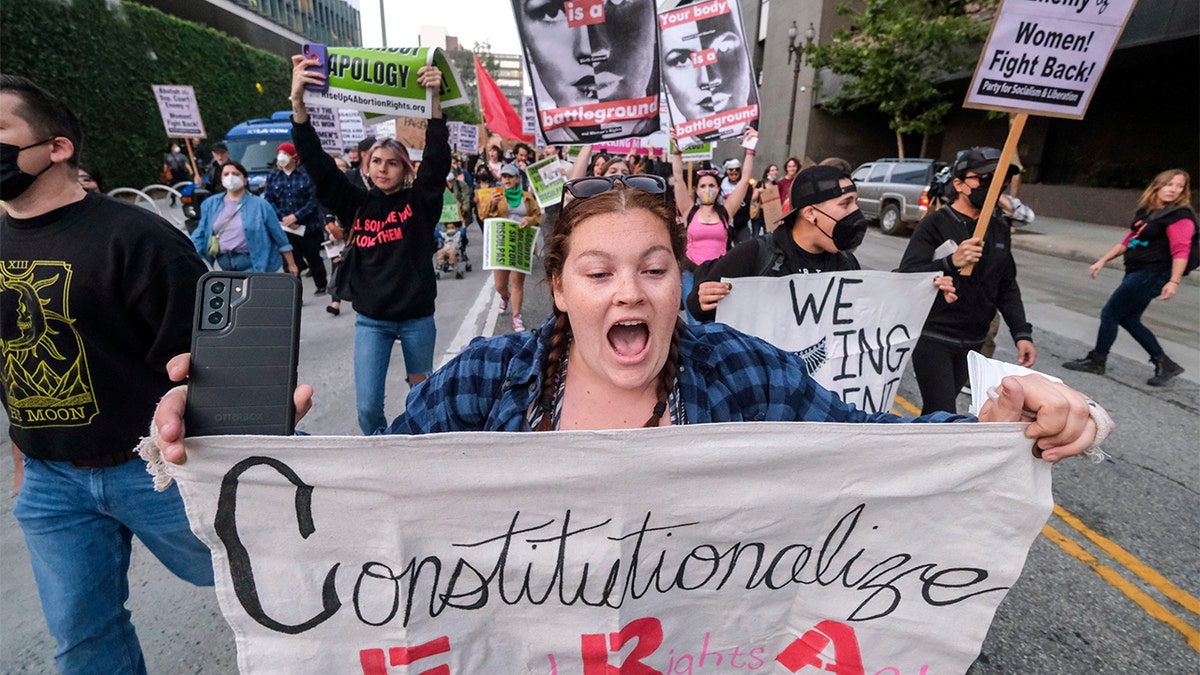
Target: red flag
pixel 498 113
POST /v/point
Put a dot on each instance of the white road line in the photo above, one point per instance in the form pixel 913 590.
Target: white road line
pixel 466 330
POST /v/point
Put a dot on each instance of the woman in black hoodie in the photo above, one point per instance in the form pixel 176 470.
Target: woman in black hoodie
pixel 387 269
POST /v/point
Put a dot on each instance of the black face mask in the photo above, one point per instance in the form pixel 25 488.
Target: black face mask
pixel 848 232
pixel 979 195
pixel 13 181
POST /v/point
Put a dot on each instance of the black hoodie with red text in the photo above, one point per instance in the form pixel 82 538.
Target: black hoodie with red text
pixel 390 274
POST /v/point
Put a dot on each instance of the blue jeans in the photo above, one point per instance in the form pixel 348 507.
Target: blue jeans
pixel 1124 308
pixel 230 261
pixel 79 525
pixel 373 340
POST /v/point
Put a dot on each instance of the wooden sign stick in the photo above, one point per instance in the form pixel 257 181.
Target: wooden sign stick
pixel 993 195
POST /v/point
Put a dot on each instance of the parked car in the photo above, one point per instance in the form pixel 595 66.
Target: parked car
pixel 895 191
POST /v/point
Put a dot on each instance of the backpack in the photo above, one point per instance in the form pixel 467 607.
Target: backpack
pixel 769 261
pixel 1193 260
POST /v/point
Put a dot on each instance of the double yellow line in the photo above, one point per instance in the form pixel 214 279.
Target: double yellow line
pixel 1111 575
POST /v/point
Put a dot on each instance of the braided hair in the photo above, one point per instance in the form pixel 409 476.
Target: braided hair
pixel 554 254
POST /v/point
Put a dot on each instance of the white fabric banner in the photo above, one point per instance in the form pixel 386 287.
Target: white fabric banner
pixel 764 546
pixel 855 330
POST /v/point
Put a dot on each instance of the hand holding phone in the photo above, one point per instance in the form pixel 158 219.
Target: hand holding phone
pixel 318 51
pixel 245 349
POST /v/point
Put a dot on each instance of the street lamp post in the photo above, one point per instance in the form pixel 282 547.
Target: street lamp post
pixel 797 51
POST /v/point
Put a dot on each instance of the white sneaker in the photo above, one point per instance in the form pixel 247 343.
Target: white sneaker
pixel 518 325
pixel 503 304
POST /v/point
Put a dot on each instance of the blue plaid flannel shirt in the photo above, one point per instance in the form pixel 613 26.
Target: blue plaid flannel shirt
pixel 296 194
pixel 724 376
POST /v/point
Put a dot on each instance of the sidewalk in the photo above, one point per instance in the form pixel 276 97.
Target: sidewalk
pixel 1075 240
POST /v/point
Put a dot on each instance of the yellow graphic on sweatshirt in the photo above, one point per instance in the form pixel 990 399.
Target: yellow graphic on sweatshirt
pixel 46 378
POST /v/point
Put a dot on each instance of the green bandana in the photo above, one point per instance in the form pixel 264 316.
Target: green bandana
pixel 513 195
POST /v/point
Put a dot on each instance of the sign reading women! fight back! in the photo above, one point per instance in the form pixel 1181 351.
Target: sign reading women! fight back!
pixel 1046 56
pixel 854 330
pixel 721 548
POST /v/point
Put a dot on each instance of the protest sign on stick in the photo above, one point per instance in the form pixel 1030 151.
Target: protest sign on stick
pixel 708 74
pixel 179 110
pixel 507 245
pixel 867 548
pixel 1042 58
pixel 854 330
pixel 384 81
pixel 592 68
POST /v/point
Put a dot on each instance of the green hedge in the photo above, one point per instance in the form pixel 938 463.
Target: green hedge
pixel 97 59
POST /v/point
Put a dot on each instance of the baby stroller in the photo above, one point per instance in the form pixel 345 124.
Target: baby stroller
pixel 442 260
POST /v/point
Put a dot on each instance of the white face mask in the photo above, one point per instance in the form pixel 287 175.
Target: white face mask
pixel 233 182
pixel 283 158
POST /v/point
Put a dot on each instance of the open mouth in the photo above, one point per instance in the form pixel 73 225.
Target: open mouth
pixel 629 339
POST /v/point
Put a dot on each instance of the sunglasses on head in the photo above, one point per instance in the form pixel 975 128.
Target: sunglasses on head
pixel 590 186
pixel 708 172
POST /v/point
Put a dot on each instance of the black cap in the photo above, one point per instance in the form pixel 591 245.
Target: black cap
pixel 814 185
pixel 366 143
pixel 981 161
pixel 220 146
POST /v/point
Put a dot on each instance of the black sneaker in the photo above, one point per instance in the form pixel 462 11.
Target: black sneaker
pixel 320 291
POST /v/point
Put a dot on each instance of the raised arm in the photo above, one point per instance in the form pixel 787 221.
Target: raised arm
pixel 735 198
pixel 579 168
pixel 683 196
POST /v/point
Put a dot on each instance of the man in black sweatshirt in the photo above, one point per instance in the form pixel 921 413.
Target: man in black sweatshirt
pixel 944 242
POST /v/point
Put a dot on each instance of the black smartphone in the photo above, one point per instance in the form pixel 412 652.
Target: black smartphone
pixel 245 347
pixel 317 50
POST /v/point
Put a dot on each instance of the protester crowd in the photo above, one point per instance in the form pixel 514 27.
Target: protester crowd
pixel 634 256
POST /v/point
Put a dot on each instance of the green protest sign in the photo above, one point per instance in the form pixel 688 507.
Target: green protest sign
pixel 450 212
pixel 384 81
pixel 507 245
pixel 546 180
pixel 698 153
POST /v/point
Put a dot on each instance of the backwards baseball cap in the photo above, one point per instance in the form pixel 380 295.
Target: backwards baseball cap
pixel 731 164
pixel 978 160
pixel 814 185
pixel 510 170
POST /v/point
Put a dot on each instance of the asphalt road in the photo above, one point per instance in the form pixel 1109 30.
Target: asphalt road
pixel 1079 606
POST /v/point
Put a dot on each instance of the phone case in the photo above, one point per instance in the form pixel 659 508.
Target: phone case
pixel 317 49
pixel 245 347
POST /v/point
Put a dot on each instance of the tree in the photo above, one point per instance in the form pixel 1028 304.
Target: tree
pixel 895 53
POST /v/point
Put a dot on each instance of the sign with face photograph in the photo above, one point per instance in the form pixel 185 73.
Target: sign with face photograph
pixel 707 72
pixel 592 66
